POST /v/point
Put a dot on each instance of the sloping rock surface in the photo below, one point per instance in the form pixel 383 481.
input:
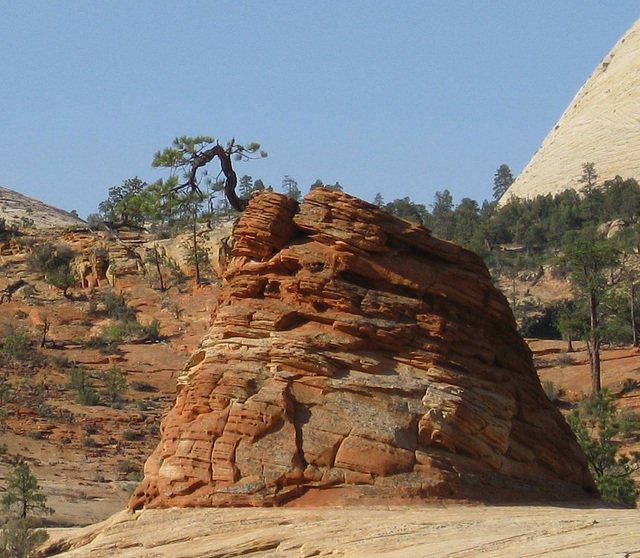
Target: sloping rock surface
pixel 438 531
pixel 17 209
pixel 599 126
pixel 352 356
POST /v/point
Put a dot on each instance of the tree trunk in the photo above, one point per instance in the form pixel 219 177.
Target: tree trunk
pixel 45 329
pixel 634 330
pixel 195 250
pixel 570 348
pixel 594 346
pixel 156 259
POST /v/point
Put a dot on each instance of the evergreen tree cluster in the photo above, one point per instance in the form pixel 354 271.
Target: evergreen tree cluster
pixel 544 223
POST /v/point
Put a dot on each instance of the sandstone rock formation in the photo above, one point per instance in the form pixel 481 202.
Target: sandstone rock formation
pixel 599 126
pixel 353 356
pixel 17 209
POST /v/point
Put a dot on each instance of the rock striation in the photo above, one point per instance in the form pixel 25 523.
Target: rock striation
pixel 354 357
pixel 599 126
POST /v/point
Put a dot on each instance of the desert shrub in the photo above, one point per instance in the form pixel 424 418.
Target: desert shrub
pixel 116 307
pixel 46 257
pixel 115 384
pixel 62 277
pixel 629 385
pixel 140 385
pixel 15 343
pixel 131 435
pixel 629 424
pixel 541 324
pixel 152 331
pixel 126 466
pixel 28 291
pixel 135 476
pixel 597 426
pixel 60 361
pixel 88 396
pixel 550 390
pixel 80 380
pixel 565 359
pixel 20 538
pixel 6 391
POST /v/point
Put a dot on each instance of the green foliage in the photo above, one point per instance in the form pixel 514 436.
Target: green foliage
pixel 15 343
pixel 123 327
pixel 115 384
pixel 62 277
pixel 501 181
pixel 550 390
pixel 54 262
pixel 406 209
pixel 47 257
pixel 23 492
pixel 88 396
pixel 117 308
pixel 290 188
pixel 152 331
pixel 20 538
pixel 597 427
pixel 80 380
pixel 126 204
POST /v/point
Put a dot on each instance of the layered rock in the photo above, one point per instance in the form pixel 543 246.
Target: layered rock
pixel 599 126
pixel 354 355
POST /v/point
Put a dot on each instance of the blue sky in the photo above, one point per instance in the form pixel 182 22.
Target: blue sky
pixel 399 97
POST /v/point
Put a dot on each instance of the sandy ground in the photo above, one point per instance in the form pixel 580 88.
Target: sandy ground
pixel 432 531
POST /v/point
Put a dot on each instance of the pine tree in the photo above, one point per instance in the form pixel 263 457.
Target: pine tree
pixel 501 181
pixel 24 492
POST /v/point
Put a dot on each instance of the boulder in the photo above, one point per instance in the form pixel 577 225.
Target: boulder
pixel 352 354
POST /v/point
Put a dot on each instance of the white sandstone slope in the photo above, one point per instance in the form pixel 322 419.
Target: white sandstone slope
pixel 600 126
pixel 15 207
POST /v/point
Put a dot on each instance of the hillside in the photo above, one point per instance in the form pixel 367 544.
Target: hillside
pixel 21 211
pixel 87 457
pixel 599 126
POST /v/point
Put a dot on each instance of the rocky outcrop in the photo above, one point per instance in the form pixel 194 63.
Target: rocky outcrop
pixel 21 211
pixel 599 126
pixel 354 356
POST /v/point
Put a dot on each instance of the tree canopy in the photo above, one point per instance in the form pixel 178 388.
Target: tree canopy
pixel 189 155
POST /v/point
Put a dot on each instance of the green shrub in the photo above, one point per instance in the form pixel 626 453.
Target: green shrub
pixel 80 380
pixel 596 426
pixel 116 307
pixel 62 277
pixel 152 331
pixel 115 383
pixel 140 385
pixel 16 343
pixel 20 538
pixel 88 396
pixel 565 359
pixel 550 390
pixel 47 257
pixel 131 435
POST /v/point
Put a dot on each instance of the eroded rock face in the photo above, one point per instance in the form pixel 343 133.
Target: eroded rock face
pixel 354 355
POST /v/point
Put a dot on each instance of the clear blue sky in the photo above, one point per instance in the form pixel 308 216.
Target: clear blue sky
pixel 399 97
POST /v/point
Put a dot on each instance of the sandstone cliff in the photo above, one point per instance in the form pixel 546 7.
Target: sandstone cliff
pixel 354 356
pixel 599 126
